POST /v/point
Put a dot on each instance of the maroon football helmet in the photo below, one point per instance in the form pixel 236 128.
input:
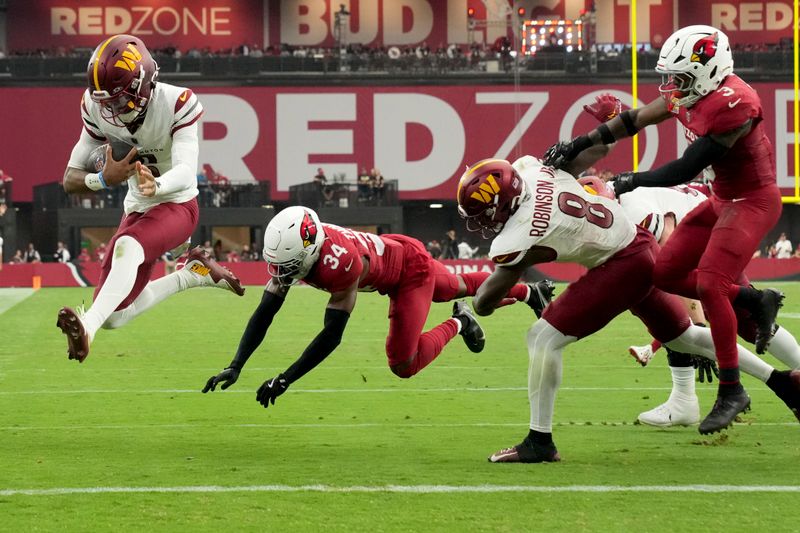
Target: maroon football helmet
pixel 121 76
pixel 489 192
pixel 598 187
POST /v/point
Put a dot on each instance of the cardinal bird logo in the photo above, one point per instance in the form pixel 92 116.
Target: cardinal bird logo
pixel 308 230
pixel 705 49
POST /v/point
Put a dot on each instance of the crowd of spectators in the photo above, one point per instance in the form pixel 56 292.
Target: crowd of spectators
pixel 370 186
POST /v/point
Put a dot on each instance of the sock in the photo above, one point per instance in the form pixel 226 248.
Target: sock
pixel 128 254
pixel 460 321
pixel 781 385
pixel 714 292
pixel 431 345
pixel 540 437
pixel 682 383
pixel 729 388
pixel 473 280
pixel 785 348
pixel 154 293
pixel 655 345
pixel 679 359
pixel 729 376
pixel 520 292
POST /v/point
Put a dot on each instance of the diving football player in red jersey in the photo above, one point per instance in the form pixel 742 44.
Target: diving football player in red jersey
pixel 343 262
pixel 709 250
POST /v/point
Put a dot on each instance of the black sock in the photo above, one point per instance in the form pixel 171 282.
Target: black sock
pixel 748 297
pixel 729 388
pixel 778 383
pixel 729 376
pixel 540 437
pixel 678 359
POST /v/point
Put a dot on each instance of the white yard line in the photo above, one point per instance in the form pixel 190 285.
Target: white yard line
pixel 354 425
pixel 407 489
pixel 11 297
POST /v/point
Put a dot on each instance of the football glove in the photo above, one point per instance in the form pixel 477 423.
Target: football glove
pixel 706 369
pixel 271 389
pixel 623 183
pixel 558 154
pixel 605 108
pixel 227 377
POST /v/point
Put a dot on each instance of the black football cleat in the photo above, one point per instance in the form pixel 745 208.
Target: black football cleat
pixel 541 293
pixel 527 452
pixel 765 315
pixel 472 332
pixel 724 411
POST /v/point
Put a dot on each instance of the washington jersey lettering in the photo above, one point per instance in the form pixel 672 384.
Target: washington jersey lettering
pixel 170 109
pixel 750 163
pixel 648 206
pixel 340 261
pixel 557 213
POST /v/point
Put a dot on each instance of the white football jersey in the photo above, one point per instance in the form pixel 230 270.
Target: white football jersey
pixel 169 110
pixel 647 206
pixel 557 213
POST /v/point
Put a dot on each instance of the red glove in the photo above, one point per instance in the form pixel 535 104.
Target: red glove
pixel 605 108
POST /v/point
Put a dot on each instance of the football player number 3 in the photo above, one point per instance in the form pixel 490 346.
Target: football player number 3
pixel 594 213
pixel 333 260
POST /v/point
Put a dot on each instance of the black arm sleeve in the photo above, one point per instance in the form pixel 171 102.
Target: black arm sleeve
pixel 697 156
pixel 256 328
pixel 321 347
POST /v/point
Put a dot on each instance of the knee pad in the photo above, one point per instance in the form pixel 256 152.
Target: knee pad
pixel 712 283
pixel 544 334
pixel 127 247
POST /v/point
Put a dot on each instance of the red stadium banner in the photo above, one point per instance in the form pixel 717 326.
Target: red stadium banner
pixel 213 24
pixel 422 136
pixel 745 23
pixel 225 24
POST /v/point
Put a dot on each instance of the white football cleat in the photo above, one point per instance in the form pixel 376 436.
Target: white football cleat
pixel 642 354
pixel 673 412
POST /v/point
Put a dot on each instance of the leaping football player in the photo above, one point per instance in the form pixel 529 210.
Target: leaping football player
pixel 709 250
pixel 125 104
pixel 542 214
pixel 342 262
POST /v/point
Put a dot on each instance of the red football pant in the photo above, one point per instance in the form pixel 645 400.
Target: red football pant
pixel 709 251
pixel 159 230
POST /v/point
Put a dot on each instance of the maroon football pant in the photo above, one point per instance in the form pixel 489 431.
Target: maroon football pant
pixel 707 254
pixel 159 230
pixel 624 282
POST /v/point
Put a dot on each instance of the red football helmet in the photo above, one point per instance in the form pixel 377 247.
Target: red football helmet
pixel 121 76
pixel 489 192
pixel 596 186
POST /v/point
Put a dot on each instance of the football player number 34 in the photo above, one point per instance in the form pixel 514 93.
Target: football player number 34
pixel 594 213
pixel 333 260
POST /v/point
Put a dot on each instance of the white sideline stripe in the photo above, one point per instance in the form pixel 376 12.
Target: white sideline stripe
pixel 789 315
pixel 329 391
pixel 406 489
pixel 341 426
pixel 11 297
pixel 74 271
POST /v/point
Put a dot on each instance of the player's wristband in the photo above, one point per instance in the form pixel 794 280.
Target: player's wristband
pixel 95 182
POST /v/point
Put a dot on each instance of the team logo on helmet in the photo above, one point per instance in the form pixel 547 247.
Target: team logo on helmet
pixel 308 230
pixel 486 191
pixel 705 49
pixel 130 58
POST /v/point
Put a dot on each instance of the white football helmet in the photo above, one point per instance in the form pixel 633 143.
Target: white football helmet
pixel 693 62
pixel 292 243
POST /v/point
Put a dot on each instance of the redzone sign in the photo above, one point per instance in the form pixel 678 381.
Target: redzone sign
pixel 421 136
pixel 216 24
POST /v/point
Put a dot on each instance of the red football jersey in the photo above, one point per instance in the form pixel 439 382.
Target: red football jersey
pixel 340 265
pixel 750 163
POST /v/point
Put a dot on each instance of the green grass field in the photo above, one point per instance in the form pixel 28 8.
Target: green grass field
pixel 351 446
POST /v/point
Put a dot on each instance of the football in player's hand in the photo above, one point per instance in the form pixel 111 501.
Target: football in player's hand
pixel 119 149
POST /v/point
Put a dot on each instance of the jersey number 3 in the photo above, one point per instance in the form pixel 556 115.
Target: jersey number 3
pixel 594 213
pixel 329 259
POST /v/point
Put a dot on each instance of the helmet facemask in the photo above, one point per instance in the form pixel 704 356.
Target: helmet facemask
pixel 677 88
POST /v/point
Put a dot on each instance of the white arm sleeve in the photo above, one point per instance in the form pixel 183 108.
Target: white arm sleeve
pixel 79 158
pixel 185 151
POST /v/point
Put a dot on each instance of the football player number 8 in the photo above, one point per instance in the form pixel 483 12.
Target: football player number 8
pixel 594 213
pixel 329 259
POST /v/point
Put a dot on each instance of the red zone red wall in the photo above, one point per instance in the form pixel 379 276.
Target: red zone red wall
pixel 59 275
pixel 422 136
